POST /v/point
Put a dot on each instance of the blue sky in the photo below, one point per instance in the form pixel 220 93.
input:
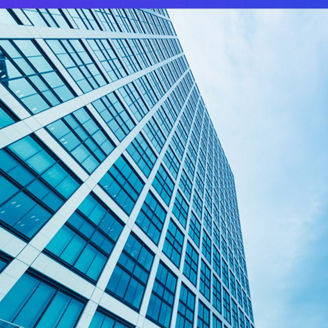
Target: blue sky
pixel 263 75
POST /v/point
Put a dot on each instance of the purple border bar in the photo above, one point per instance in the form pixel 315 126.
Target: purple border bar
pixel 163 3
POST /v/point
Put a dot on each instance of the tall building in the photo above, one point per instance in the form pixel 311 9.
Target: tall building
pixel 118 206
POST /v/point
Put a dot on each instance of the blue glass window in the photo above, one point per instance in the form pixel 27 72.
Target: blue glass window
pixel 177 146
pixel 194 229
pixel 147 86
pixel 230 256
pixel 87 239
pixel 78 63
pixel 190 268
pixel 239 294
pixel 232 284
pixel 36 185
pixel 216 261
pixel 107 57
pixel 126 55
pixel 242 279
pixel 162 297
pixel 41 17
pixel 216 235
pixel 142 154
pixel 21 212
pixel 217 299
pixel 171 161
pixel 208 202
pixel 173 244
pixel 169 109
pixel 155 134
pixel 245 304
pixel 134 101
pixel 34 303
pixel 163 120
pixel 85 140
pixel 122 184
pixel 234 312
pixel 224 248
pixel 216 322
pixel 151 218
pixel 28 74
pixel 139 52
pixel 199 183
pixel 203 316
pixel 197 204
pixel 241 319
pixel 226 306
pixel 105 319
pixel 163 184
pixel 207 221
pixel 185 184
pixel 130 276
pixel 205 280
pixel 225 273
pixel 182 133
pixel 4 261
pixel 115 115
pixel 41 162
pixel 186 308
pixel 3 264
pixel 189 167
pixel 81 19
pixel 206 247
pixel 180 209
pixel 250 310
pixel 6 117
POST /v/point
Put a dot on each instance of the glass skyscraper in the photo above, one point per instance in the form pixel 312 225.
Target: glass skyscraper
pixel 117 206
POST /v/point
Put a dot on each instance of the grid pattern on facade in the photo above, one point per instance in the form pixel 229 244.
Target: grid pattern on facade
pixel 118 195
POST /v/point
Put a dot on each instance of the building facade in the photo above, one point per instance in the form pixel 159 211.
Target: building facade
pixel 118 206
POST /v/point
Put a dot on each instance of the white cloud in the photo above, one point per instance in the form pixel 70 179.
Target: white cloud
pixel 262 76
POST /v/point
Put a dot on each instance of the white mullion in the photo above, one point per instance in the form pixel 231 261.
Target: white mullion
pixel 48 231
pixel 111 263
pixel 10 243
pixel 54 113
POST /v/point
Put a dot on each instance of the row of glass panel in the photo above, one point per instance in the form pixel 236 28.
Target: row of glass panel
pixel 30 76
pixel 60 307
pixel 116 20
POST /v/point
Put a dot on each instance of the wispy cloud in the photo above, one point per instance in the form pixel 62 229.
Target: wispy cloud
pixel 263 75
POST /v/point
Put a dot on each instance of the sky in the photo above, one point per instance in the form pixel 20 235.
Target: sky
pixel 263 75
